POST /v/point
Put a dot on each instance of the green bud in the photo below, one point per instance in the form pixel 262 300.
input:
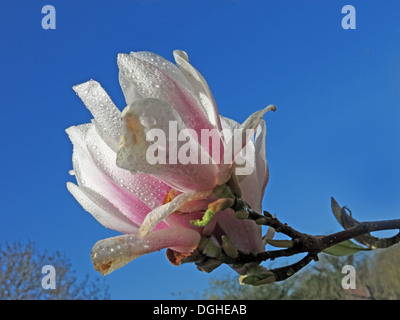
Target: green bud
pixel 221 204
pixel 266 280
pixel 212 249
pixel 223 191
pixel 229 248
pixel 213 208
pixel 202 244
pixel 208 265
pixel 259 221
pixel 257 279
pixel 248 279
pixel 205 220
pixel 280 243
pixel 233 183
pixel 241 214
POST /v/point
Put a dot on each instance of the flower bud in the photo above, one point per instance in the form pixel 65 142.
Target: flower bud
pixel 223 191
pixel 213 208
pixel 233 183
pixel 221 204
pixel 202 244
pixel 257 279
pixel 208 265
pixel 212 249
pixel 241 214
pixel 229 248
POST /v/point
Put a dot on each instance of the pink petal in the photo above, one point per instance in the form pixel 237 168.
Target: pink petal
pixel 113 253
pixel 152 114
pixel 163 81
pixel 101 190
pixel 245 235
pixel 200 86
pixel 101 209
pixel 152 82
pixel 144 187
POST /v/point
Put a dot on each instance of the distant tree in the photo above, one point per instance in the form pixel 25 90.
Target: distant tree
pixel 21 276
pixel 377 277
pixel 382 274
pixel 230 289
pixel 323 281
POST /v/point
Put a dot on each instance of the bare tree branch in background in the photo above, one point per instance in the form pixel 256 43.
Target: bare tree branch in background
pixel 21 276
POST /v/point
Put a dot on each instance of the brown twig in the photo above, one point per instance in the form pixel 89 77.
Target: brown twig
pixel 313 245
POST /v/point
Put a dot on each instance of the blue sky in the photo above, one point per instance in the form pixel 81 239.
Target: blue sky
pixel 336 131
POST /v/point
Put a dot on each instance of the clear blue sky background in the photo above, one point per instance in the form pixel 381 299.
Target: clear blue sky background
pixel 336 131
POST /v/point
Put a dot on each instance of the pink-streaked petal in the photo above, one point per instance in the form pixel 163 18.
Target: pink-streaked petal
pixel 144 187
pixel 107 116
pixel 99 187
pixel 167 67
pixel 160 213
pixel 112 219
pixel 152 81
pixel 245 235
pixel 183 220
pixel 113 253
pixel 200 86
pixel 147 116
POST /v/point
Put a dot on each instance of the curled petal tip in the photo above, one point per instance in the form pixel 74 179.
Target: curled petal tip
pixel 182 54
pixel 271 107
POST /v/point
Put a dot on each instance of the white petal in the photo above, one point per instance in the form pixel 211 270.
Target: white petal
pixel 113 253
pixel 228 123
pixel 253 185
pixel 107 116
pixel 130 92
pixel 250 124
pixel 200 86
pixel 231 125
pixel 160 213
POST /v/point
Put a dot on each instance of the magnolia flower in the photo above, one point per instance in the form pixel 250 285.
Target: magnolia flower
pixel 163 205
